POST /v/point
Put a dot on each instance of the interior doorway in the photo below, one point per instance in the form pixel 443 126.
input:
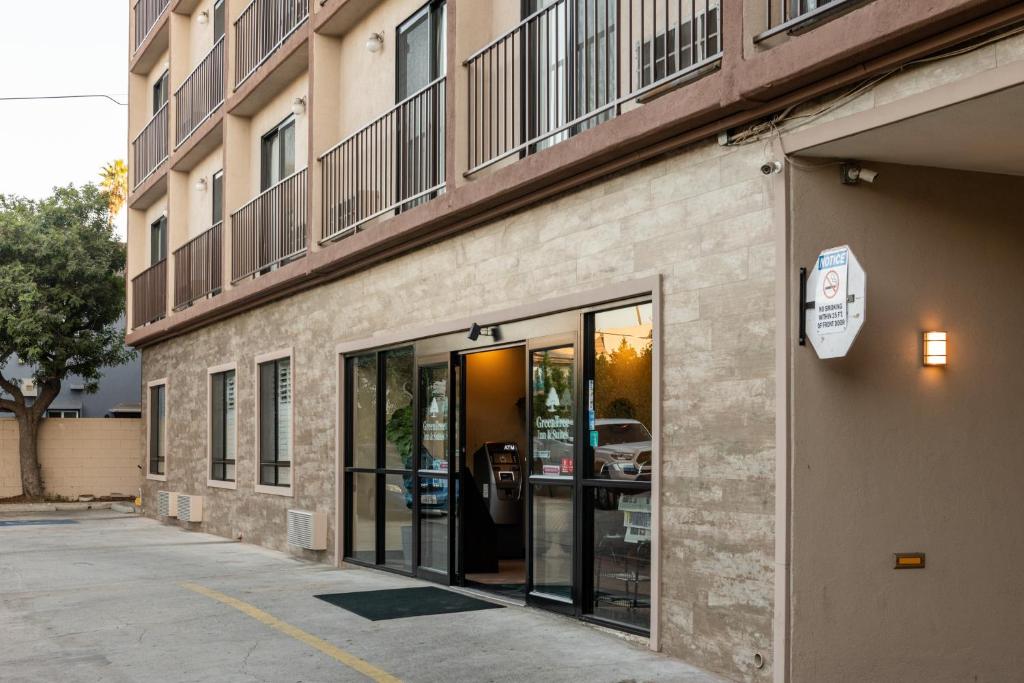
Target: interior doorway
pixel 494 509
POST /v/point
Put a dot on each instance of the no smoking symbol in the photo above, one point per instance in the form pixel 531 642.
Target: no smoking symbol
pixel 830 287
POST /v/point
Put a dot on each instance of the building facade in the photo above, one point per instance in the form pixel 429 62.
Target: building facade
pixel 510 295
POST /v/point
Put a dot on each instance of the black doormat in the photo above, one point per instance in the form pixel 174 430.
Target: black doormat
pixel 399 603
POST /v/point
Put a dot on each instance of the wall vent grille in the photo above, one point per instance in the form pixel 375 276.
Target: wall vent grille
pixel 307 529
pixel 190 508
pixel 166 504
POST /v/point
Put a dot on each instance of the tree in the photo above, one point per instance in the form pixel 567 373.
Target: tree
pixel 61 297
pixel 114 181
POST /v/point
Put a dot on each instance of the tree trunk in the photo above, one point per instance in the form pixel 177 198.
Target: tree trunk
pixel 28 439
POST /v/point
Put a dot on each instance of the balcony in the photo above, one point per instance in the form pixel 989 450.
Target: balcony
pixel 149 294
pixel 395 162
pixel 269 230
pixel 197 267
pixel 149 149
pixel 200 95
pixel 263 26
pixel 577 63
pixel 146 14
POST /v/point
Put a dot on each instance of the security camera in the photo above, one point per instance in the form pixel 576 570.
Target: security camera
pixel 770 167
pixel 851 173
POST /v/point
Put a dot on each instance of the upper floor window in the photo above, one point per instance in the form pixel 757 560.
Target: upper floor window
pixel 421 50
pixel 277 154
pixel 161 91
pixel 158 240
pixel 218 20
pixel 275 422
pixel 217 192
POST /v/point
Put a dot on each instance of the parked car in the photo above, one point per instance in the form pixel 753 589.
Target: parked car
pixel 623 449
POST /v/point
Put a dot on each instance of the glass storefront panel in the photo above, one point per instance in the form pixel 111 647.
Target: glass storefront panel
pixel 399 385
pixel 620 391
pixel 552 541
pixel 398 521
pixel 434 490
pixel 554 412
pixel 622 556
pixel 363 394
pixel 364 517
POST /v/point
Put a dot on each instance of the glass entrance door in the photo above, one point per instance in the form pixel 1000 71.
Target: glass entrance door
pixel 436 471
pixel 552 458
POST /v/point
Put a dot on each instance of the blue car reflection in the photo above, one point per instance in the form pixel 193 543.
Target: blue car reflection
pixel 433 490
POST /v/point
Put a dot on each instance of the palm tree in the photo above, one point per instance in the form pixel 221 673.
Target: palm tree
pixel 114 181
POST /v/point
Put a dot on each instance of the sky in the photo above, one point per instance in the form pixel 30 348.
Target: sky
pixel 61 47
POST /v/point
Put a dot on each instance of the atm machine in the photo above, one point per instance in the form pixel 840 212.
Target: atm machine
pixel 499 478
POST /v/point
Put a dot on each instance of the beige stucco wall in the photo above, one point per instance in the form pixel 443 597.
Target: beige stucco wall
pixel 702 220
pixel 890 456
pixel 85 456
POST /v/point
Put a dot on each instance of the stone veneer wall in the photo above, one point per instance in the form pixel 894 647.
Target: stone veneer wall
pixel 700 218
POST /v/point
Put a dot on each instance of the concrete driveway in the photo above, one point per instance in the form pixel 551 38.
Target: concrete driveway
pixel 110 597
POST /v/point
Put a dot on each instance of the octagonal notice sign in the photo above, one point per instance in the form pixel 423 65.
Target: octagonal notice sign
pixel 835 303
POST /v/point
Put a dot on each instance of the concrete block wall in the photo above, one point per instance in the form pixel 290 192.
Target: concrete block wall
pixel 701 219
pixel 86 456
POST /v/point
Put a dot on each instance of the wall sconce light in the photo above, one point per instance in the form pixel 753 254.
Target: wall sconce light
pixel 201 185
pixel 934 348
pixel 476 331
pixel 299 106
pixel 375 43
pixel 163 214
pixel 203 18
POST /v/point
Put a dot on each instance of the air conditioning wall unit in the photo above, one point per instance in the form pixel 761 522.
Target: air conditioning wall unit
pixel 28 387
pixel 190 508
pixel 166 504
pixel 307 529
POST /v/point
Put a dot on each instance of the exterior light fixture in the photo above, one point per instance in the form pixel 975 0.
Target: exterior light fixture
pixel 163 214
pixel 299 106
pixel 203 18
pixel 476 331
pixel 201 185
pixel 375 43
pixel 852 173
pixel 934 348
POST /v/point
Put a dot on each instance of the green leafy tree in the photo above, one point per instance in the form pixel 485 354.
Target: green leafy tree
pixel 61 297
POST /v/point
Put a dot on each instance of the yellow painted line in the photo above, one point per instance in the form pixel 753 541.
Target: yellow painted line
pixel 349 660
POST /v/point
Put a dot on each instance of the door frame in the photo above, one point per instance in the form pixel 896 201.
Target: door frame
pixel 573 606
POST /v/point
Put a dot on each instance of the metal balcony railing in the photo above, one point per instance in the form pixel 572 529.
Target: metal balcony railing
pixel 785 15
pixel 270 229
pixel 200 95
pixel 573 64
pixel 149 294
pixel 262 27
pixel 147 12
pixel 197 267
pixel 149 149
pixel 394 162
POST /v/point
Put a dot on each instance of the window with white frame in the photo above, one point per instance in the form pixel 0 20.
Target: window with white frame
pixel 223 435
pixel 62 412
pixel 275 422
